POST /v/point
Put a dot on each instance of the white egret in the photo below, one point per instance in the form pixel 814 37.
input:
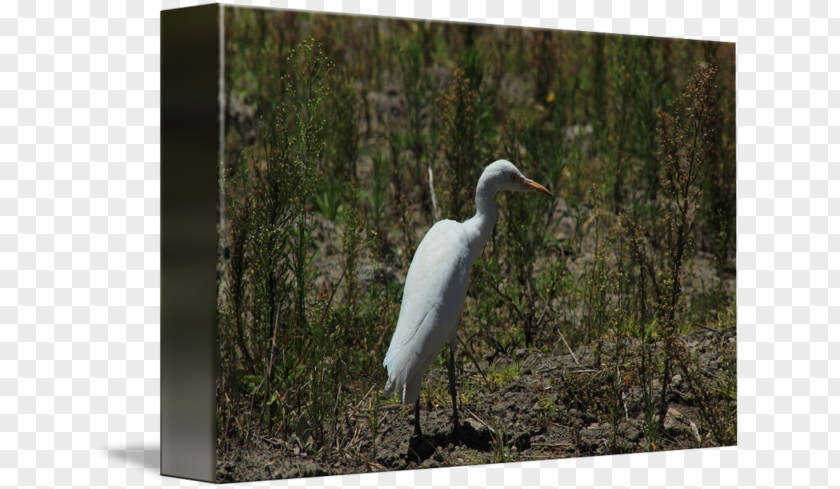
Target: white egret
pixel 436 287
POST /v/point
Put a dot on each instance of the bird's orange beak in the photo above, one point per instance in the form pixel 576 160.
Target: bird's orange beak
pixel 536 187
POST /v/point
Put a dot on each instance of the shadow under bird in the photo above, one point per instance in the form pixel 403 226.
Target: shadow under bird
pixel 436 288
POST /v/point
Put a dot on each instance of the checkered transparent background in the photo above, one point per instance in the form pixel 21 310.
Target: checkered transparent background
pixel 80 253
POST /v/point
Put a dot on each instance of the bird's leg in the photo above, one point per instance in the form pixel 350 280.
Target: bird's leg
pixel 417 431
pixel 452 390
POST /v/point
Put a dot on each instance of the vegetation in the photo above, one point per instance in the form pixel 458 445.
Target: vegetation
pixel 347 137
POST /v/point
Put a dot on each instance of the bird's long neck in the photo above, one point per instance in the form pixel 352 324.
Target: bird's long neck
pixel 480 226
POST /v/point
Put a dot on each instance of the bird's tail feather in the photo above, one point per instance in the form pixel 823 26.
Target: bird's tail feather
pixel 390 385
pixel 409 389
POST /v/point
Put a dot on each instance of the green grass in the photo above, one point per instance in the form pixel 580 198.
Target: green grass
pixel 501 375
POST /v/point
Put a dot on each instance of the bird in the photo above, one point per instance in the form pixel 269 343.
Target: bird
pixel 436 288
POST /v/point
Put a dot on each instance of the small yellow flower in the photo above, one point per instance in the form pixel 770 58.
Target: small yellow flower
pixel 550 97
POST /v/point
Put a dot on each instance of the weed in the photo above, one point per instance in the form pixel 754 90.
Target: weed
pixel 342 132
pixel 716 391
pixel 333 174
pixel 503 374
pixel 683 137
pixel 270 252
pixel 330 198
pixel 498 447
pixel 463 141
pixel 416 85
pixel 547 409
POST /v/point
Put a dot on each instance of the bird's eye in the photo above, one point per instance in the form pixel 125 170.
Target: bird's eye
pixel 514 177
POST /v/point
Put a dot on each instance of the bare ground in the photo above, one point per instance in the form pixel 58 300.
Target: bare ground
pixel 558 407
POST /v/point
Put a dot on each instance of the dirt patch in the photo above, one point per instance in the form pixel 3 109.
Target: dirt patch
pixel 559 406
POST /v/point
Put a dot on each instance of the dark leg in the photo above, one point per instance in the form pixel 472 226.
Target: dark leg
pixel 417 431
pixel 452 390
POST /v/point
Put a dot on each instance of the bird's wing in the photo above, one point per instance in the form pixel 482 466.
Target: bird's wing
pixel 433 297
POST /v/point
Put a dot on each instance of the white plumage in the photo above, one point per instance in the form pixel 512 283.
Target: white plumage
pixel 434 294
pixel 437 282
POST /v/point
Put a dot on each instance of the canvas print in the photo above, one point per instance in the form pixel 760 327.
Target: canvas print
pixel 447 244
